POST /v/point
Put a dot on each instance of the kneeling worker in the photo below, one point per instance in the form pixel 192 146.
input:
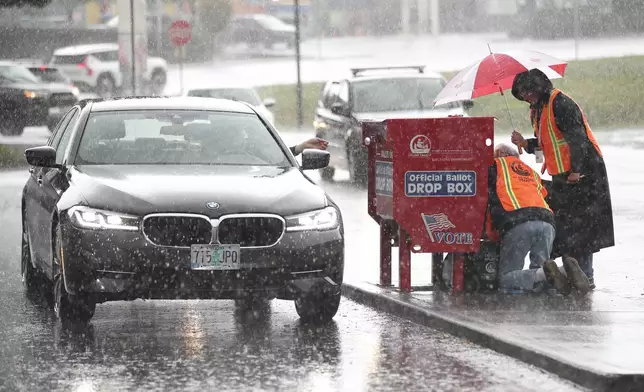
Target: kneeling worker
pixel 519 215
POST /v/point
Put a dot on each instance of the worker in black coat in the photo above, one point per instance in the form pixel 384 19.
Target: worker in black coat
pixel 579 194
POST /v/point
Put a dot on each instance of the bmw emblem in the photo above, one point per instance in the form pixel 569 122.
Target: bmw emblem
pixel 212 205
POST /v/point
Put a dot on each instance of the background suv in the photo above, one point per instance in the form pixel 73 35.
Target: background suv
pixel 64 94
pixel 26 100
pixel 96 67
pixel 374 94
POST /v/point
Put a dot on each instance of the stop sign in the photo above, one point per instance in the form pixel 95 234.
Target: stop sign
pixel 180 32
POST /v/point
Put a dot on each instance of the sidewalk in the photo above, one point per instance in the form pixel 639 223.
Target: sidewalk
pixel 596 341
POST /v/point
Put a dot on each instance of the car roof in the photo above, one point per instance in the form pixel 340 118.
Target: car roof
pixel 396 75
pixel 85 49
pixel 220 87
pixel 171 103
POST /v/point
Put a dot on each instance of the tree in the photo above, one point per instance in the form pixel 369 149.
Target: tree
pixel 20 3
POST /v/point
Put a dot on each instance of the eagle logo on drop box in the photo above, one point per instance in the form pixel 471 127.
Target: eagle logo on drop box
pixel 437 226
pixel 420 145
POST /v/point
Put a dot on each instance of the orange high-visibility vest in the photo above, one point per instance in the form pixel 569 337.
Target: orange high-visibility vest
pixel 518 186
pixel 551 140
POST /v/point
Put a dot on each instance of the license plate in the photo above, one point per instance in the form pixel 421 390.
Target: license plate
pixel 215 257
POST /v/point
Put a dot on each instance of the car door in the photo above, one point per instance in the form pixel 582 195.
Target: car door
pixel 34 192
pixel 52 184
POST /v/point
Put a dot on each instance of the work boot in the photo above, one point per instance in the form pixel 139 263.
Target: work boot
pixel 555 277
pixel 575 275
pixel 592 283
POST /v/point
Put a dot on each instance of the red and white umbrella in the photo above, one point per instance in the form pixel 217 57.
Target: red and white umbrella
pixel 495 73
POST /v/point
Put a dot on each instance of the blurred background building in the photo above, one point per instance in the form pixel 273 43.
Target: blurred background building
pixel 31 31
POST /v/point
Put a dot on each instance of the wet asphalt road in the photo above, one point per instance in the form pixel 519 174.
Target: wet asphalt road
pixel 207 345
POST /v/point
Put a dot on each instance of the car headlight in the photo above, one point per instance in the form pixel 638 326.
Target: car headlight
pixel 30 94
pixel 325 219
pixel 90 218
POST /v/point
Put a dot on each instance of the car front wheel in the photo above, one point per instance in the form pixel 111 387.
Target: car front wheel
pixel 357 167
pixel 30 276
pixel 327 173
pixel 68 307
pixel 318 307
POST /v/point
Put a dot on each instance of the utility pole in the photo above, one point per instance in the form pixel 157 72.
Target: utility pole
pixel 422 16
pixel 159 20
pixel 133 45
pixel 405 15
pixel 298 60
pixel 435 15
pixel 577 28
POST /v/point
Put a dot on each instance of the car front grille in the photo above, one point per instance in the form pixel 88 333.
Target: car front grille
pixel 251 231
pixel 177 230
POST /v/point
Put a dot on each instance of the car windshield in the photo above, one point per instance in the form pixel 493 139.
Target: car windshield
pixel 396 94
pixel 235 94
pixel 17 74
pixel 48 75
pixel 167 137
pixel 270 22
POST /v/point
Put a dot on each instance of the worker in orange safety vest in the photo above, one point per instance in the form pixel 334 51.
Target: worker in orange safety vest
pixel 520 218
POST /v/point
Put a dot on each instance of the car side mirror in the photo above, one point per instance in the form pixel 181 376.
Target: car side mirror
pixel 315 159
pixel 269 102
pixel 468 104
pixel 43 156
pixel 338 109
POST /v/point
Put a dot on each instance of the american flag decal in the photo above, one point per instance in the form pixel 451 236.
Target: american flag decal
pixel 436 222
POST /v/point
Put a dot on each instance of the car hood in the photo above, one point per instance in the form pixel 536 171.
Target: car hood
pixel 144 189
pixel 59 88
pixel 47 87
pixel 432 113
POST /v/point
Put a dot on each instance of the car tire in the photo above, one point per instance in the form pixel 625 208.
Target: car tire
pixel 327 173
pixel 252 303
pixel 318 307
pixel 68 307
pixel 31 279
pixel 357 167
pixel 13 127
pixel 158 81
pixel 105 86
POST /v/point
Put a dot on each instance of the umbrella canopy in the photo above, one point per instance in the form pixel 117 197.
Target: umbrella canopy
pixel 495 73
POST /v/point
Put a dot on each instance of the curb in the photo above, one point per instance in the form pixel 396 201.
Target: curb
pixel 409 308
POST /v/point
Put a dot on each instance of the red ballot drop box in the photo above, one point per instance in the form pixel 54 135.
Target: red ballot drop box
pixel 427 189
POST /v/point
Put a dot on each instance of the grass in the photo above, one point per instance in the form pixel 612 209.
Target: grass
pixel 610 91
pixel 11 157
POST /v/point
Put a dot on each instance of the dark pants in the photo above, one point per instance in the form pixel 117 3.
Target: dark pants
pixel 586 263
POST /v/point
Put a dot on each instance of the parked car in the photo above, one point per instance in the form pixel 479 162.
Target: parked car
pixel 65 96
pixel 374 94
pixel 259 30
pixel 26 101
pixel 96 68
pixel 177 198
pixel 243 94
